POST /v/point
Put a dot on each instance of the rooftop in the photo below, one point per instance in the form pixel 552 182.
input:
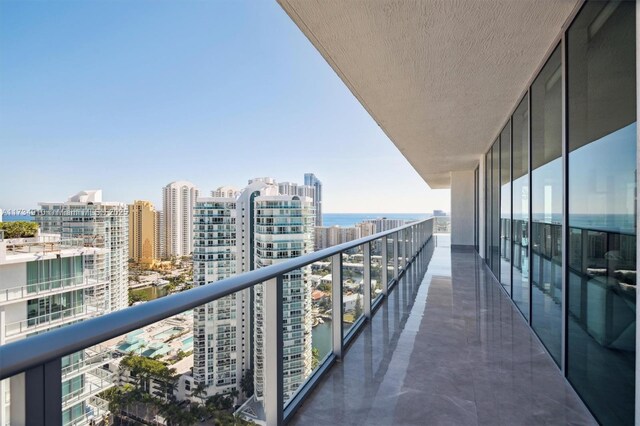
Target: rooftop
pixel 19 250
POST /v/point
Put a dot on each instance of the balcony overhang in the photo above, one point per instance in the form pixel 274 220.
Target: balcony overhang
pixel 439 77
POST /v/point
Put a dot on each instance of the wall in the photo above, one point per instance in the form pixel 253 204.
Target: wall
pixel 462 214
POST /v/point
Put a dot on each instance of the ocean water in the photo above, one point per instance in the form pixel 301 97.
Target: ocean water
pixel 328 219
pixel 16 218
pixel 350 219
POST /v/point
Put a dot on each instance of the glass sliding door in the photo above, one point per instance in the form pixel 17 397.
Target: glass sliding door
pixel 505 207
pixel 601 118
pixel 520 206
pixel 476 209
pixel 487 208
pixel 546 205
pixel 495 209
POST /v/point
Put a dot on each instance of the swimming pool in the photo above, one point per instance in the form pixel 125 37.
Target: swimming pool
pixel 168 333
pixel 187 344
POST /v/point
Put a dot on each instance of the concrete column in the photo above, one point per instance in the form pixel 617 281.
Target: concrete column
pixel 273 351
pixel 462 209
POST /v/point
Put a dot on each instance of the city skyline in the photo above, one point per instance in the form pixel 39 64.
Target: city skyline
pixel 150 107
pixel 157 202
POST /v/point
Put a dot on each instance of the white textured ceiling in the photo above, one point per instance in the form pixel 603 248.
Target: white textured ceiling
pixel 438 76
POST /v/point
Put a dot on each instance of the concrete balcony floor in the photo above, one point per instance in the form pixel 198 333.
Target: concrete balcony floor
pixel 447 348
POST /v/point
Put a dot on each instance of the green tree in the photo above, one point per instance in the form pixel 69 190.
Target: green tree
pixel 357 309
pixel 246 383
pixel 138 296
pixel 19 229
pixel 199 392
pixel 315 354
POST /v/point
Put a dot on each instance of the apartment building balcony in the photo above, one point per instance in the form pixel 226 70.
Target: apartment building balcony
pixel 14 294
pixel 92 359
pixel 94 382
pixel 38 324
pixel 96 411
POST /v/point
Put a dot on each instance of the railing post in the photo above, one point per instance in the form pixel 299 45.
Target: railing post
pixel 336 303
pixel 273 336
pixel 366 282
pixel 385 267
pixel 43 394
pixel 424 233
pixel 396 251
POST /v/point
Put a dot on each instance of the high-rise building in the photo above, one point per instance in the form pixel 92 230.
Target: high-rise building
pixel 366 229
pixel 143 230
pixel 256 228
pixel 47 282
pixel 178 199
pixel 311 180
pixel 382 224
pixel 327 236
pixel 98 223
pixel 225 192
pixel 283 230
pixel 221 329
pixel 161 246
pixel 290 188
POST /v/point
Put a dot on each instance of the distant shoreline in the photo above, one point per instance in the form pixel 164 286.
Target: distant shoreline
pixel 329 219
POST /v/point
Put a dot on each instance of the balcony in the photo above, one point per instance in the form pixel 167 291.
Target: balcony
pixel 29 291
pixel 447 347
pixel 441 340
pixel 89 309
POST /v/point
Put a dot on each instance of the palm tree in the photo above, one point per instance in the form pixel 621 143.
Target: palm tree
pixel 200 391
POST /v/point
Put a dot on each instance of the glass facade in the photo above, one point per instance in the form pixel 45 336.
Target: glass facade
pixel 601 274
pixel 560 207
pixel 505 207
pixel 47 274
pixel 546 205
pixel 487 207
pixel 495 208
pixel 520 206
pixel 476 208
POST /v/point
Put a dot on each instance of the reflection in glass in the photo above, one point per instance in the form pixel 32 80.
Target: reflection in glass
pixel 476 208
pixel 520 262
pixel 376 269
pixel 602 133
pixel 495 209
pixel 352 287
pixel 321 332
pixel 487 208
pixel 390 256
pixel 505 207
pixel 546 205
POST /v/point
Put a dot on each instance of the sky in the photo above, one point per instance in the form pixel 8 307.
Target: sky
pixel 127 96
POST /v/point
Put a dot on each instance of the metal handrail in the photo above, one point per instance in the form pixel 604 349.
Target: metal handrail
pixel 19 356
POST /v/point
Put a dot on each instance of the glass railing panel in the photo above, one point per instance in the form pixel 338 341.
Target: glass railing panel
pixel 352 287
pixel 307 350
pixel 404 248
pixel 212 361
pixel 390 258
pixel 376 269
